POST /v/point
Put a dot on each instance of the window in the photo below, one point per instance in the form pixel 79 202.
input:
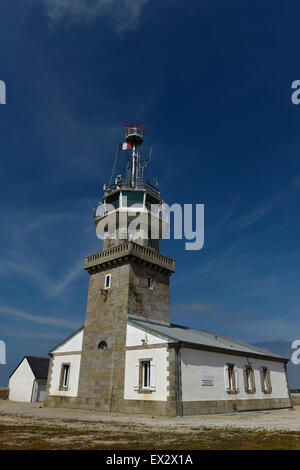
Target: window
pixel 132 198
pixel 231 378
pixel 265 379
pixel 64 376
pixel 150 283
pixel 107 281
pixel 249 379
pixel 112 202
pixel 103 345
pixel 145 375
pixel 152 204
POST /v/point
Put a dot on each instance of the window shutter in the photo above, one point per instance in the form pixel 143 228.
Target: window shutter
pixel 245 379
pixel 262 379
pixel 152 375
pixel 236 376
pixel 269 381
pixel 137 376
pixel 226 378
pixel 253 381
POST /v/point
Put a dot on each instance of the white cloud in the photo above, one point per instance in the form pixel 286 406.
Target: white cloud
pixel 74 272
pixel 122 14
pixel 250 218
pixel 34 272
pixel 51 321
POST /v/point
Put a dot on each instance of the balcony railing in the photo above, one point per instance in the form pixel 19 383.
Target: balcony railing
pixel 137 185
pixel 130 248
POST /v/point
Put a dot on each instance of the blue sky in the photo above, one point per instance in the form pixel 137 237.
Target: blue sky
pixel 212 80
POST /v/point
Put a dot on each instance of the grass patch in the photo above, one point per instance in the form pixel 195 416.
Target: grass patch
pixel 39 437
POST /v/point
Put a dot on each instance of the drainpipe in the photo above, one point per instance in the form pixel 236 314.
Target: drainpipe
pixel 179 379
pixel 288 387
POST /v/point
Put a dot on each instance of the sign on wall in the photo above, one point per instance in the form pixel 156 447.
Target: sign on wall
pixel 207 380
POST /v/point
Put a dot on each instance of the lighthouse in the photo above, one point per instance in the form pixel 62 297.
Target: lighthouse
pixel 129 276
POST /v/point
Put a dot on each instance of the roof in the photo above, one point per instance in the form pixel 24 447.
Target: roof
pixel 184 334
pixel 67 339
pixel 38 364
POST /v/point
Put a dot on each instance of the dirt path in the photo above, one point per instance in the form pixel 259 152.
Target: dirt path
pixel 286 419
pixel 31 426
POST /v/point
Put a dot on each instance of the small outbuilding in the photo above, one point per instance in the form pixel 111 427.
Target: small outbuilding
pixel 29 380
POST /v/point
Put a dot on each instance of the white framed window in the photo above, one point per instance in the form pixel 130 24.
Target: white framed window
pixel 64 377
pixel 149 282
pixel 231 378
pixel 145 375
pixel 107 282
pixel 265 380
pixel 249 380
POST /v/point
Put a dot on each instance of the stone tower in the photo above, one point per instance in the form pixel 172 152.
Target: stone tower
pixel 128 277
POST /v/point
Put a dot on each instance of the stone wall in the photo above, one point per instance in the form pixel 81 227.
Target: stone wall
pixel 152 304
pixel 229 406
pixel 101 382
pixel 296 398
pixel 102 371
pixel 4 392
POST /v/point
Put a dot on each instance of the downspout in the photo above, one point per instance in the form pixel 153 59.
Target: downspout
pixel 179 380
pixel 288 387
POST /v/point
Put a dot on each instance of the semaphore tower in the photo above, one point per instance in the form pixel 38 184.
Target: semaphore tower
pixel 128 277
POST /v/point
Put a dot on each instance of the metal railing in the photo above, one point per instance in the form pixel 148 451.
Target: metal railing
pixel 137 185
pixel 134 130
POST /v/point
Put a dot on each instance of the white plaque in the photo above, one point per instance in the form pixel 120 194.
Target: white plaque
pixel 207 380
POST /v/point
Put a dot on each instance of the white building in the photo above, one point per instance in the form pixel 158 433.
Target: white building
pixel 215 374
pixel 28 381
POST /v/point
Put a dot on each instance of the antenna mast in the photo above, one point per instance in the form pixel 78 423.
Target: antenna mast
pixel 134 136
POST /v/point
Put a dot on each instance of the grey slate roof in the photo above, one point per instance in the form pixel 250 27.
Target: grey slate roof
pixel 192 336
pixel 39 366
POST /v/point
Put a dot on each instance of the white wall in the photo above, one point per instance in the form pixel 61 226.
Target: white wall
pixel 21 383
pixel 58 360
pixel 197 363
pixel 74 344
pixel 135 336
pixel 159 355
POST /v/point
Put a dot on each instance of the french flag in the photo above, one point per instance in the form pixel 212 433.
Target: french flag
pixel 125 146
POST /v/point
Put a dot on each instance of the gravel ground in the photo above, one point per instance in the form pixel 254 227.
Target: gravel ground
pixel 286 420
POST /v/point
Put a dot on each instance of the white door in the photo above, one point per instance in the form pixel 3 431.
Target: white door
pixel 41 393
